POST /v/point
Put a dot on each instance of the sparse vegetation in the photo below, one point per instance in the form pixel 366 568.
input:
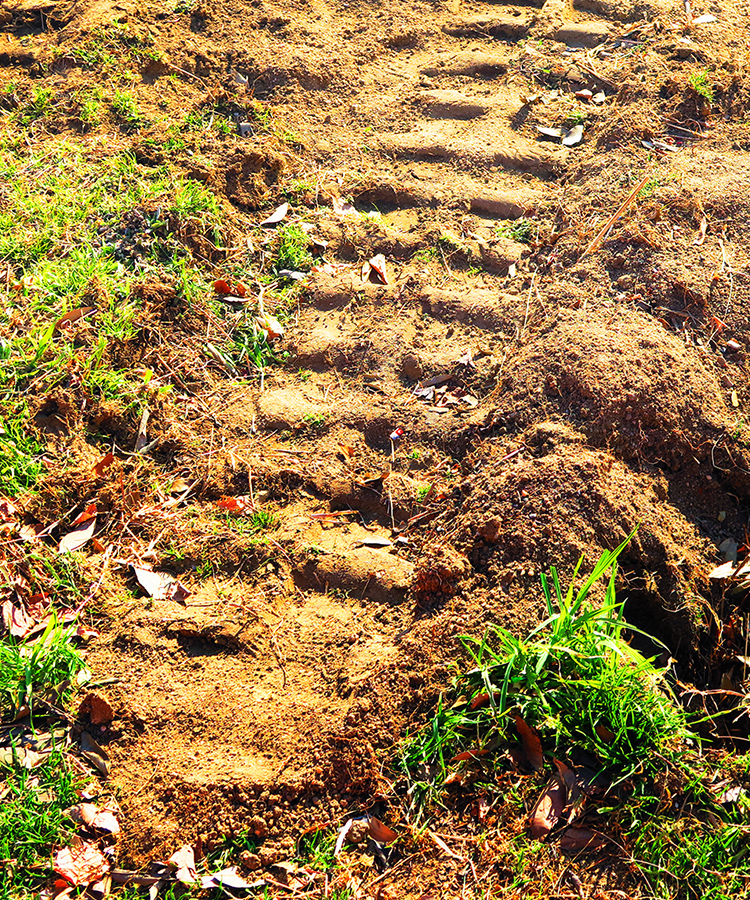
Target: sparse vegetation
pixel 700 82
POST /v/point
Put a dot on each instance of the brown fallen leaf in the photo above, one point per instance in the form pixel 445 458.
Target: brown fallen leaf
pixel 81 863
pixel 104 463
pixel 73 316
pixel 96 708
pixel 549 807
pixel 278 215
pixel 270 326
pixel 184 861
pixel 17 623
pixel 88 513
pixel 380 832
pixel 532 745
pixel 375 270
pixel 581 839
pixel 94 753
pixel 93 816
pixel 605 734
pixel 78 537
pixel 156 584
pixel 240 505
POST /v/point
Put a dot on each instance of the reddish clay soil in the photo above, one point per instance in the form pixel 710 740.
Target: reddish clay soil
pixel 606 389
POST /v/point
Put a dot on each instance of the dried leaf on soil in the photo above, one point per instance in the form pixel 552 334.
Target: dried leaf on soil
pixel 581 839
pixel 549 807
pixel 278 215
pixel 270 326
pixel 78 537
pixel 97 708
pixel 184 861
pixel 380 832
pixel 240 505
pixel 573 137
pixel 73 316
pixel 80 864
pixel 158 585
pixel 532 745
pixel 104 463
pixel 228 878
pixel 94 753
pixel 375 270
pixel 16 621
pixel 93 816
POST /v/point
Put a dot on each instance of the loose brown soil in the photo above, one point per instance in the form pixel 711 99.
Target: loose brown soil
pixel 273 696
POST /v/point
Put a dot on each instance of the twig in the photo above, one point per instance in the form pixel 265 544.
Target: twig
pixel 602 236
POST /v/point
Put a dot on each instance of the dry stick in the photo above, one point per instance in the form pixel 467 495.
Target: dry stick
pixel 602 236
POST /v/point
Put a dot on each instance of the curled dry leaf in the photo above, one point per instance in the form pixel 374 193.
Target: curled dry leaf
pixel 278 215
pixel 159 585
pixel 532 745
pixel 549 807
pixel 92 816
pixel 270 326
pixel 581 839
pixel 73 316
pixel 78 536
pixel 96 708
pixel 17 623
pixel 573 137
pixel 375 270
pixel 380 832
pixel 104 463
pixel 94 753
pixel 239 505
pixel 184 861
pixel 81 864
pixel 227 878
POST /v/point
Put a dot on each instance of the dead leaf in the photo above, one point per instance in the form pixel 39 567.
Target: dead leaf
pixel 184 861
pixel 705 19
pixel 549 807
pixel 554 133
pixel 81 864
pixel 581 839
pixel 375 542
pixel 240 505
pixel 78 537
pixel 93 816
pixel 605 734
pixel 532 745
pixel 73 316
pixel 87 514
pixel 142 439
pixel 343 207
pixel 16 622
pixel 573 136
pixel 375 270
pixel 700 238
pixel 155 584
pixel 94 753
pixel 278 215
pixel 104 463
pixel 271 327
pixel 380 832
pixel 228 878
pixel 96 708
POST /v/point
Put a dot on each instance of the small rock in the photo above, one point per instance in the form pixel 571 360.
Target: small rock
pixel 250 860
pixel 625 282
pixel 411 367
pixel 583 34
pixel 283 872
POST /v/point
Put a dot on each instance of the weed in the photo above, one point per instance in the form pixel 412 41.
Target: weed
pixel 523 231
pixel 293 252
pixel 575 677
pixel 304 374
pixel 699 82
pixel 427 254
pixel 414 454
pixel 422 491
pixel 20 463
pixel 298 188
pixel 314 421
pixel 28 670
pixel 37 107
pixel 315 849
pixel 32 818
pixel 125 107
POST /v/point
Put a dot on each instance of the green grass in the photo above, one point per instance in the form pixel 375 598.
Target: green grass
pixel 28 671
pixel 578 681
pixel 292 251
pixel 700 82
pixel 20 457
pixel 125 107
pixel 524 231
pixel 32 821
